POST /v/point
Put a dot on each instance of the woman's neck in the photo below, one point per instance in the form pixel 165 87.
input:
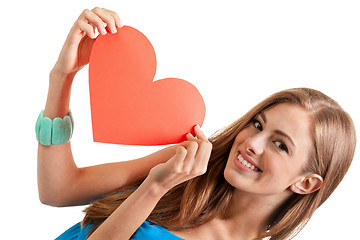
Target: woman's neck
pixel 249 215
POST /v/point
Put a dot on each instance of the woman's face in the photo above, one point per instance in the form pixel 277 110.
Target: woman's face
pixel 269 155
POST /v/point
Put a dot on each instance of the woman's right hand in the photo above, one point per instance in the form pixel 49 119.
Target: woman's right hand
pixel 191 160
pixel 76 51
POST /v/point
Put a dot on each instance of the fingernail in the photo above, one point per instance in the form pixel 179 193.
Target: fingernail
pixel 114 29
pixel 198 127
pixel 189 134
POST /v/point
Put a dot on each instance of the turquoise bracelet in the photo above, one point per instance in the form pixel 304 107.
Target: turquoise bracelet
pixel 56 131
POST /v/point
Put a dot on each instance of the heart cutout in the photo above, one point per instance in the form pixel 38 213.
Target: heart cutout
pixel 127 107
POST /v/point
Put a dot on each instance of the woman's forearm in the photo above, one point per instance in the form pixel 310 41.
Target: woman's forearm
pixel 129 216
pixel 56 167
pixel 61 182
pixel 58 99
pixel 191 160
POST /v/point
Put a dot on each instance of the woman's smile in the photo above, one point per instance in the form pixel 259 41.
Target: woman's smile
pixel 267 156
pixel 246 165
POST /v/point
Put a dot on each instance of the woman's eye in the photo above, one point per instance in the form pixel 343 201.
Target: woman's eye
pixel 281 145
pixel 257 125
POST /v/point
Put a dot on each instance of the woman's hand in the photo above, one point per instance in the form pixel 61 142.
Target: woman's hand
pixel 76 51
pixel 60 181
pixel 191 160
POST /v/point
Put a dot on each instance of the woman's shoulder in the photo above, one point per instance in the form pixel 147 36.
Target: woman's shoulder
pixel 75 232
pixel 152 231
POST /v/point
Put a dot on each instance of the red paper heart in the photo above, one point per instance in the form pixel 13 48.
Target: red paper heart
pixel 127 107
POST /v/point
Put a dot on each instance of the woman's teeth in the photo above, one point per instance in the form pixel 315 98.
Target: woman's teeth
pixel 247 164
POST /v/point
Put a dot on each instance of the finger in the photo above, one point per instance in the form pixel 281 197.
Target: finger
pixel 202 157
pixel 204 152
pixel 107 18
pixel 199 133
pixel 190 161
pixel 94 20
pixel 190 137
pixel 177 160
pixel 86 28
pixel 185 144
pixel 118 21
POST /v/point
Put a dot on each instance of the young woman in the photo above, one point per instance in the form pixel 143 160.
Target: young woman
pixel 262 176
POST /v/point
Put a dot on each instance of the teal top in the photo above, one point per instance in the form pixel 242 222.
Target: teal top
pixel 147 231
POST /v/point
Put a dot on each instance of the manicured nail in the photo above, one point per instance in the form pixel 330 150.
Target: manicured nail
pixel 198 127
pixel 190 135
pixel 114 29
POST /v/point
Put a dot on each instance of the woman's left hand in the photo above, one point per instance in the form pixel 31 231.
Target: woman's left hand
pixel 191 160
pixel 76 51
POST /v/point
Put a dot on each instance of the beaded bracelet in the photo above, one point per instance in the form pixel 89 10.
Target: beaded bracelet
pixel 56 131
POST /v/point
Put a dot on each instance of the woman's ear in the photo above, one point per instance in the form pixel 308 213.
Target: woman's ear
pixel 308 184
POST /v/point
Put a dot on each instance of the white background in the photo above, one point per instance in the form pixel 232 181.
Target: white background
pixel 236 53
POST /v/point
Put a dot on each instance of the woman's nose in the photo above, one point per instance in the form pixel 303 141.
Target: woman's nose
pixel 255 145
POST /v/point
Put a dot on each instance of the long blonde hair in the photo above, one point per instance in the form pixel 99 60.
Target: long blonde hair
pixel 201 199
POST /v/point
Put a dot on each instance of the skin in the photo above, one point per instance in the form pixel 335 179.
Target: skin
pixel 257 194
pixel 280 159
pixel 60 181
pixel 190 160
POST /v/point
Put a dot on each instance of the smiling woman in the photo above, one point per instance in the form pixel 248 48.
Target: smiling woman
pixel 262 176
pixel 268 172
pixel 279 145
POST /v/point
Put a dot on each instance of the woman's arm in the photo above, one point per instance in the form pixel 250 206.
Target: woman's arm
pixel 60 181
pixel 190 160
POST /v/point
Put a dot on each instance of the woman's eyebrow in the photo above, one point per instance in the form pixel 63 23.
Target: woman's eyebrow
pixel 279 132
pixel 262 115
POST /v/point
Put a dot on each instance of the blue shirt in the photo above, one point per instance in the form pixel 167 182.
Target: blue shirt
pixel 147 231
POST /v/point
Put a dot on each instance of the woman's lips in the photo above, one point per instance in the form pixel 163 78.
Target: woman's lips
pixel 246 163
